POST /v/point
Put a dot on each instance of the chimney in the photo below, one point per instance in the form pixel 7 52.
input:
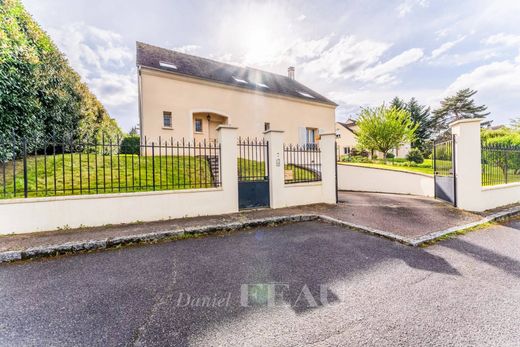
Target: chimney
pixel 290 72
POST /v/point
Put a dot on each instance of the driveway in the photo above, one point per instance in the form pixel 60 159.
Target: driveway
pixel 333 287
pixel 405 215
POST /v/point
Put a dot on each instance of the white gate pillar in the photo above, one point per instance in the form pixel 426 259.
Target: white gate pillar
pixel 328 167
pixel 227 138
pixel 467 163
pixel 276 168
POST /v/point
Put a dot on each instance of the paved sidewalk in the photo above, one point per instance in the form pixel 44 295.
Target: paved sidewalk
pixel 399 217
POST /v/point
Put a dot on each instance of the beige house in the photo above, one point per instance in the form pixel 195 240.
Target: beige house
pixel 346 140
pixel 184 96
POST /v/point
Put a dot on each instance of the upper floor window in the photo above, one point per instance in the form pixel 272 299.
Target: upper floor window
pixel 167 119
pixel 198 125
pixel 267 126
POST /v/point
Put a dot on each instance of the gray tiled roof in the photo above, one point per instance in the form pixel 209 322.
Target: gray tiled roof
pixel 193 66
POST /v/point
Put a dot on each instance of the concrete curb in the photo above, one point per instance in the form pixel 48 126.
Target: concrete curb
pixel 89 245
pixel 491 218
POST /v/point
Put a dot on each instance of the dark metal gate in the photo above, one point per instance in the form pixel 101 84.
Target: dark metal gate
pixel 253 173
pixel 445 180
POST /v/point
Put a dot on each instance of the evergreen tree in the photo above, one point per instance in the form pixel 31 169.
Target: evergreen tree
pixel 459 106
pixel 421 116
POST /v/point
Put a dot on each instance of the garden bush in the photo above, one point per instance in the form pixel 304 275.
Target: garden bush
pixel 130 144
pixel 415 156
pixel 390 155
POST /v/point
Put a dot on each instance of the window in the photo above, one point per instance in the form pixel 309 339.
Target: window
pixel 346 150
pixel 267 126
pixel 198 125
pixel 167 119
pixel 307 95
pixel 310 138
pixel 168 65
pixel 239 80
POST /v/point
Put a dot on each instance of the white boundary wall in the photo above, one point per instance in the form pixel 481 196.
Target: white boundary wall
pixel 471 195
pixel 367 179
pixel 285 195
pixel 42 214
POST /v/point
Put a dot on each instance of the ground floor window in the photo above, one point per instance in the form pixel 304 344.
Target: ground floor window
pixel 198 125
pixel 346 150
pixel 267 126
pixel 167 119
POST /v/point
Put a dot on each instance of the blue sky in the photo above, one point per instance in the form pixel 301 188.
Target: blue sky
pixel 358 53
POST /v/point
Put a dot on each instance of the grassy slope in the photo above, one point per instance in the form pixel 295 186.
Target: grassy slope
pixel 92 174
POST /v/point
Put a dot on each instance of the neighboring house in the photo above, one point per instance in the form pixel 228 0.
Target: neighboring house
pixel 184 96
pixel 347 140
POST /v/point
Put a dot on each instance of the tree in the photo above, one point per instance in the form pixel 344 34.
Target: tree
pixel 459 106
pixel 384 128
pixel 40 94
pixel 421 116
pixel 515 123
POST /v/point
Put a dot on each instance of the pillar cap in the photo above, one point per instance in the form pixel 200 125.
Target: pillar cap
pixel 467 120
pixel 273 131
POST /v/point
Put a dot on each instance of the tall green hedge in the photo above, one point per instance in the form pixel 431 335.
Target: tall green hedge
pixel 40 94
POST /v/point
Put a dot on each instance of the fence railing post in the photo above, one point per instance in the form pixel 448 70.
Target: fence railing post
pixel 25 178
pixel 153 165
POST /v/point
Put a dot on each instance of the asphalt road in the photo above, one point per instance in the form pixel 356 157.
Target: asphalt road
pixel 299 284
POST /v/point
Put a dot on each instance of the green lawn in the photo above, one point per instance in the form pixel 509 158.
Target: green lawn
pixel 72 174
pixel 250 170
pixel 424 170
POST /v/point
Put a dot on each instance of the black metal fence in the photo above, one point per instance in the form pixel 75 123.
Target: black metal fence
pixel 302 163
pixel 500 164
pixel 53 167
pixel 253 159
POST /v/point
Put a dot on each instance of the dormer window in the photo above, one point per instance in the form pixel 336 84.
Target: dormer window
pixel 262 85
pixel 307 95
pixel 168 65
pixel 239 80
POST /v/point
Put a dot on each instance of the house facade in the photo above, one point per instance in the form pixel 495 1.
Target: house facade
pixel 184 96
pixel 347 140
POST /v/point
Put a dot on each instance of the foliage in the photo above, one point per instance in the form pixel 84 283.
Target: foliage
pixel 415 155
pixel 384 128
pixel 459 106
pixel 130 145
pixel 40 94
pixel 421 116
pixel 502 150
pixel 390 155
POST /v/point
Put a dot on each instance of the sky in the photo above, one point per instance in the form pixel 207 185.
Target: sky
pixel 356 52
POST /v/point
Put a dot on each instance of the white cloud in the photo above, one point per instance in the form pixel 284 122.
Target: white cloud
pixel 384 72
pixel 503 39
pixel 497 78
pixel 498 86
pixel 301 18
pixel 103 62
pixel 407 6
pixel 445 47
pixel 346 58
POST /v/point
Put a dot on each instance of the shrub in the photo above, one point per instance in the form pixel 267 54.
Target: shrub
pixel 416 156
pixel 390 155
pixel 130 144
